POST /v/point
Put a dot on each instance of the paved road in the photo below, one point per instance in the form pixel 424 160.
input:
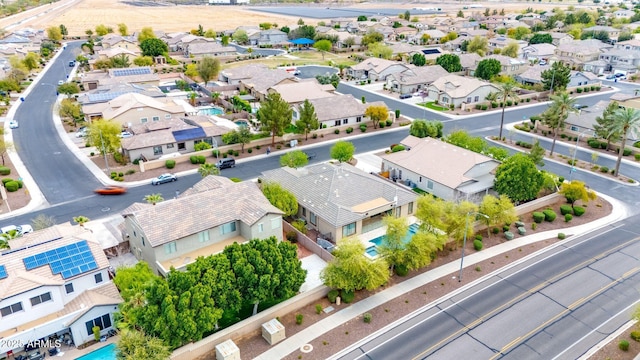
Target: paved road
pixel 556 305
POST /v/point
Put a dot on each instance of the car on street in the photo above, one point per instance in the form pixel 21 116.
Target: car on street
pixel 310 155
pixel 60 82
pixel 543 62
pixel 164 178
pixel 13 124
pixel 580 106
pixel 405 96
pixel 621 76
pixel 20 229
pixel 611 76
pixel 225 163
pixel 72 63
pixel 111 190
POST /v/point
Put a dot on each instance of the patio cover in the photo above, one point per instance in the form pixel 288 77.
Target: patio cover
pixel 302 41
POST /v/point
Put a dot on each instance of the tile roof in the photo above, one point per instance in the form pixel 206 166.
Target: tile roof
pixel 267 79
pixel 532 74
pixel 427 156
pixel 210 47
pixel 469 60
pixel 459 86
pixel 420 75
pixel 374 64
pixel 20 279
pixel 540 49
pixel 586 117
pixel 338 107
pixel 106 294
pixel 177 218
pixel 126 102
pixel 300 91
pixel 245 72
pixel 336 192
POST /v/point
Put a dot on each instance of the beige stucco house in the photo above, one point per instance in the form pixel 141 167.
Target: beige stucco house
pixel 134 108
pixel 458 90
pixel 173 233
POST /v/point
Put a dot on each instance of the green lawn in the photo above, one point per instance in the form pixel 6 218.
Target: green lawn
pixel 433 106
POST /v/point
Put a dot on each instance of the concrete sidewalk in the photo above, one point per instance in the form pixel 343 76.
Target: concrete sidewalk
pixel 294 342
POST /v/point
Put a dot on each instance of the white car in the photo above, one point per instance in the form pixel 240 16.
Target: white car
pixel 20 229
pixel 125 134
pixel 60 82
pixel 82 132
pixel 13 124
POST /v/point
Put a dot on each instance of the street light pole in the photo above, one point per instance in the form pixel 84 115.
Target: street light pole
pixel 573 160
pixel 464 242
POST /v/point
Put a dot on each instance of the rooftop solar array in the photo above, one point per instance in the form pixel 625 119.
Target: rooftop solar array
pixel 131 71
pixel 69 261
pixel 430 51
pixel 104 97
pixel 3 272
pixel 189 134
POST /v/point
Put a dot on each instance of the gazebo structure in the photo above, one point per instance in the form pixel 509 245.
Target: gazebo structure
pixel 302 43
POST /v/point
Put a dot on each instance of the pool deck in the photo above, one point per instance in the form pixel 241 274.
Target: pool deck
pixel 70 352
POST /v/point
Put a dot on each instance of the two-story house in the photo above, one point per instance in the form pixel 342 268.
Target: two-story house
pixel 143 75
pixel 375 69
pixel 174 233
pixel 269 38
pixel 340 200
pixel 134 108
pixel 54 284
pixel 508 65
pixel 612 32
pixel 537 52
pixel 130 43
pixel 578 52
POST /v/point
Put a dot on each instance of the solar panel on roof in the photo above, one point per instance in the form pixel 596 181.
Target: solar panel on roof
pixel 3 272
pixel 430 51
pixel 70 260
pixel 189 134
pixel 132 71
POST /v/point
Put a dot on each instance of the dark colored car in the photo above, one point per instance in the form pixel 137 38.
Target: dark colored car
pixel 225 163
pixel 580 106
pixel 111 190
pixel 164 178
pixel 310 155
pixel 405 96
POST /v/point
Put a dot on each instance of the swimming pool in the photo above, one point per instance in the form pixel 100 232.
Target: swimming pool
pixel 372 251
pixel 241 123
pixel 105 353
pixel 210 110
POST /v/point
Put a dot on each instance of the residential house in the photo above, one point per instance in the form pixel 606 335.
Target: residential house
pixel 16 40
pixel 269 38
pixel 345 39
pixel 173 40
pixel 581 78
pixel 458 90
pixel 623 13
pixel 405 32
pixel 338 110
pixel 341 23
pixel 431 54
pixel 559 38
pixel 627 100
pixel 111 53
pixel 633 44
pixel 467 175
pixel 258 86
pixel 611 31
pixel 414 79
pixel 500 42
pixel 233 76
pixel 174 233
pixel 432 36
pixel 107 93
pixel 468 34
pixel 468 62
pixel 297 92
pixel 579 52
pixel 509 66
pixel 621 60
pixel 375 69
pixel 130 43
pixel 584 120
pixel 55 283
pixel 143 75
pixel 533 75
pixel 134 108
pixel 153 140
pixel 210 48
pixel 537 52
pixel 182 42
pixel 340 200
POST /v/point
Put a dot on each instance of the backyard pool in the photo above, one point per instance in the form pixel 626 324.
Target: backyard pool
pixel 210 110
pixel 372 249
pixel 105 353
pixel 241 123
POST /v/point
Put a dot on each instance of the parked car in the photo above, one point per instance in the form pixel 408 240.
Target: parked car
pixel 13 124
pixel 164 178
pixel 310 155
pixel 125 134
pixel 580 106
pixel 621 76
pixel 60 82
pixel 405 96
pixel 82 132
pixel 72 63
pixel 225 163
pixel 20 229
pixel 611 76
pixel 543 62
pixel 111 190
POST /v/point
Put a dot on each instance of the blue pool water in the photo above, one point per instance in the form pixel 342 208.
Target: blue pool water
pixel 241 123
pixel 106 353
pixel 372 251
pixel 413 228
pixel 210 111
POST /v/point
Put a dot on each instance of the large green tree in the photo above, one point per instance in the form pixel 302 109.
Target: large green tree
pixel 536 153
pixel 135 345
pixel 478 45
pixel 540 38
pixel 431 213
pixel 274 115
pixel 208 69
pixel 294 159
pixel 487 69
pixel 371 37
pixel 625 122
pixel 153 47
pixel 422 128
pixel 499 211
pixel 240 36
pixel 308 119
pixel 557 77
pixel 393 244
pixel 280 197
pixel 146 33
pixel 352 270
pixel 323 46
pixel 518 178
pixel 103 134
pixel 242 135
pixel 342 151
pixel 449 62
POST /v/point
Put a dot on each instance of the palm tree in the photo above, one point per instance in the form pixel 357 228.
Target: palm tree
pixel 153 198
pixel 81 220
pixel 208 169
pixel 507 91
pixel 625 121
pixel 562 105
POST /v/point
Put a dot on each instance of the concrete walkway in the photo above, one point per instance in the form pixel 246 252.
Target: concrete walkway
pixel 294 342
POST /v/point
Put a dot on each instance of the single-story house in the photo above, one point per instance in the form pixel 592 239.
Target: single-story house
pixel 299 91
pixel 457 90
pixel 337 110
pixel 415 78
pixel 375 69
pixel 340 200
pixel 538 51
pixel 466 176
pixel 135 108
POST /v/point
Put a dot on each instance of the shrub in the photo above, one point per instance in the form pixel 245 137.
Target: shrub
pixel 623 345
pixel 561 236
pixel 397 148
pixel 579 90
pixel 484 107
pixel 477 244
pixel 578 210
pixel 626 152
pixel 215 153
pixel 332 295
pixel 390 122
pixel 130 171
pixel 495 230
pixel 549 215
pixel 4 170
pixel 299 318
pixel 292 236
pixel 6 180
pixel 318 309
pixel 538 217
pixel 249 150
pixel 478 237
pixel 478 106
pixel 534 226
pixel 96 332
pixel 170 164
pixel 637 157
pixel 363 127
pixel 509 102
pixel 367 317
pixel 314 136
pixel 635 335
pixel 593 143
pixel 201 159
pixel 349 130
pixel 566 209
pixel 12 186
pixel 401 270
pixel 568 217
pixel 336 131
pixel 604 169
pixel 300 226
pixel 382 125
pixel 397 113
pixel 528 99
pixel 120 174
pixel 347 296
pixel 193 159
pixel 505 227
pixel 235 153
pixel 494 104
pixel 509 235
pixel 522 230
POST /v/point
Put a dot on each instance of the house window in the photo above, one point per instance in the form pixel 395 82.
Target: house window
pixel 169 146
pixel 143 120
pixel 102 322
pixel 312 218
pixel 155 118
pixel 157 150
pixel 170 248
pixel 345 121
pixel 68 288
pixel 260 227
pixel 420 179
pixel 304 212
pixel 336 123
pixel 574 128
pixel 8 310
pixel 430 184
pixel 349 229
pixel 398 211
pixel 445 100
pixel 181 146
pixel 359 119
pixel 167 116
pixel 410 208
pixel 203 236
pixel 476 99
pixel 275 223
pixel 469 100
pixel 228 228
pixel 98 278
pixel 36 300
pixel 142 240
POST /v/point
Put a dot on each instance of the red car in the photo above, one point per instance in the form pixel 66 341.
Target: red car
pixel 111 190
